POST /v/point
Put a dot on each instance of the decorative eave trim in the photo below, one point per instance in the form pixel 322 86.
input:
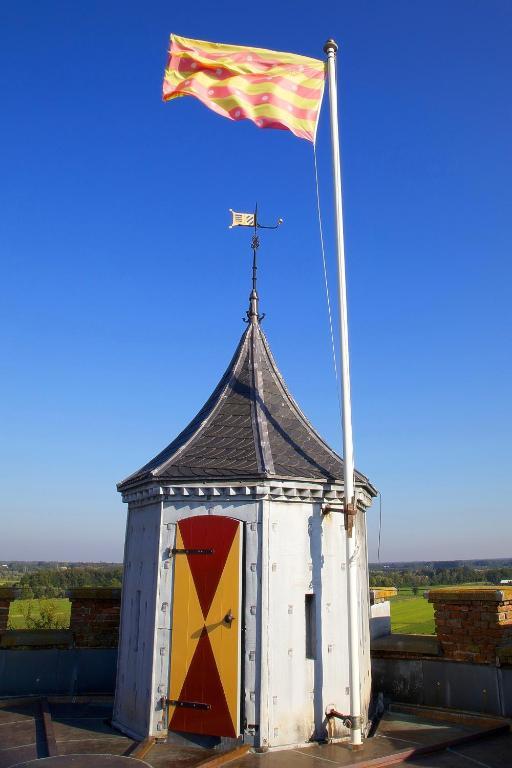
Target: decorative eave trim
pixel 276 490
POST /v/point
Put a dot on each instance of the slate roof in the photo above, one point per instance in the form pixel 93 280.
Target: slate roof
pixel 250 428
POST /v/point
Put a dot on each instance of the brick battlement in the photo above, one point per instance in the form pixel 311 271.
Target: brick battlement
pixel 472 624
pixel 95 616
pixel 94 619
pixel 7 595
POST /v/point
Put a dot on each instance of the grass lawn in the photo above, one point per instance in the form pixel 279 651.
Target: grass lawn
pixel 412 614
pixel 24 614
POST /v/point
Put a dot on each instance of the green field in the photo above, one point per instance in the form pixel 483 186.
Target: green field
pixel 411 614
pixel 52 613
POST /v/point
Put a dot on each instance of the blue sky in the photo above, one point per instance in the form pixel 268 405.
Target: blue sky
pixel 123 289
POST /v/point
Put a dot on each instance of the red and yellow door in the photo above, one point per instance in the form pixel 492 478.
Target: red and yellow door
pixel 205 650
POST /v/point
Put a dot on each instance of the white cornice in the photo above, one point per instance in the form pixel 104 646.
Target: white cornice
pixel 278 490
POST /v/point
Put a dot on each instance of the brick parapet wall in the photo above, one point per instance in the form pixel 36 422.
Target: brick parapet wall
pixel 94 621
pixel 7 595
pixel 472 624
pixel 95 616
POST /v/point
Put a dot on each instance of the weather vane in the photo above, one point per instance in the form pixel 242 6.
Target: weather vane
pixel 251 220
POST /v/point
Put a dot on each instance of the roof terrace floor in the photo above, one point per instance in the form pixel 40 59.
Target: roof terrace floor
pixel 36 731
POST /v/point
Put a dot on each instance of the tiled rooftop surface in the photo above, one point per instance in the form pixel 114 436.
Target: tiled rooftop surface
pixel 249 428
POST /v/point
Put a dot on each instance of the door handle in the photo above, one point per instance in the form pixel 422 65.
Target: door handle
pixel 229 618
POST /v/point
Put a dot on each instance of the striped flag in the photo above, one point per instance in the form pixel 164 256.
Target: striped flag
pixel 271 88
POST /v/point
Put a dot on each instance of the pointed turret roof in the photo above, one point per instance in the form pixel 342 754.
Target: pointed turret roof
pixel 249 429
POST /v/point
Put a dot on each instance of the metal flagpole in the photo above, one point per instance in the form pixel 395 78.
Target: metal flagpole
pixel 330 49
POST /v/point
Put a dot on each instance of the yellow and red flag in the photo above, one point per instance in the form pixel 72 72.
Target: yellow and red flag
pixel 271 88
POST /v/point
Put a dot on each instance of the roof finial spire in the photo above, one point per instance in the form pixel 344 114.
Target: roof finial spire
pixel 251 220
pixel 253 315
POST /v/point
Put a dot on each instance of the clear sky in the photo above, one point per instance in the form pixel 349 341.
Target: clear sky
pixel 123 289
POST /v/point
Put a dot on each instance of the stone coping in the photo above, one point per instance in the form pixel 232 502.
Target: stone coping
pixel 75 593
pixel 36 638
pixel 10 592
pixel 94 593
pixel 405 646
pixel 383 593
pixel 468 594
pixel 413 647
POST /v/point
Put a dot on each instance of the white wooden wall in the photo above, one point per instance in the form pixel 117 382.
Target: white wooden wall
pixel 291 550
pixel 132 706
pixel 306 555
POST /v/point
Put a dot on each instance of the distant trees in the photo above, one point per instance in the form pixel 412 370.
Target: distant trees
pixel 50 582
pixel 495 575
pixel 378 579
pixel 54 582
pixel 432 576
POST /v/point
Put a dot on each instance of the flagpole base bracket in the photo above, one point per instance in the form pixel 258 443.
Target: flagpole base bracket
pixel 350 513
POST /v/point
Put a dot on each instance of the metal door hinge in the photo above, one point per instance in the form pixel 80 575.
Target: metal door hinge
pixel 175 551
pixel 190 704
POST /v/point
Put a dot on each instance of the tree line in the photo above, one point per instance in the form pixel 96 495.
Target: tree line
pixel 55 582
pixel 432 576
